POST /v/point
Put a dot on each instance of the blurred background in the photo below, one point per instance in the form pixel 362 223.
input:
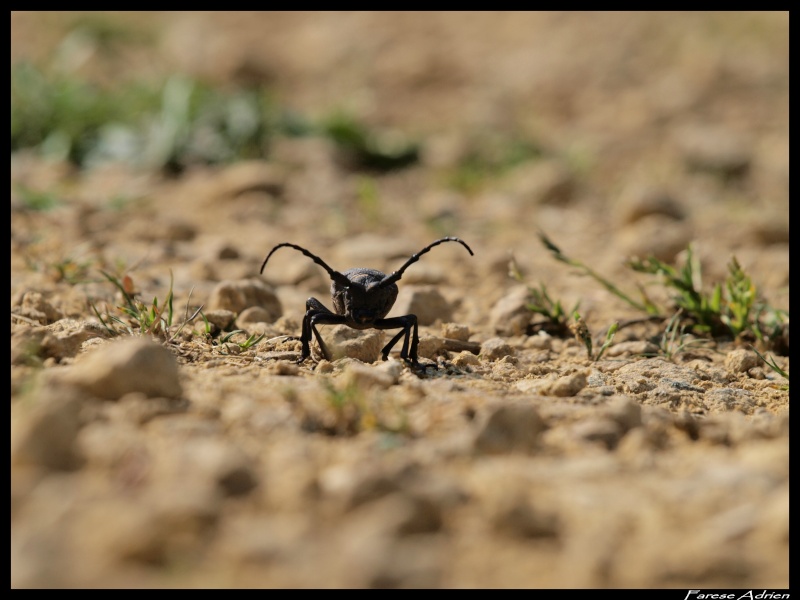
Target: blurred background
pixel 618 134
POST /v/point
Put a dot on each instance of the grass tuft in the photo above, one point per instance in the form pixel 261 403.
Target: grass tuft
pixel 581 332
pixel 134 317
pixel 542 304
pixel 731 308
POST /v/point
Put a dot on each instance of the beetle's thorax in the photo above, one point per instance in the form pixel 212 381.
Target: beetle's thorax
pixel 363 302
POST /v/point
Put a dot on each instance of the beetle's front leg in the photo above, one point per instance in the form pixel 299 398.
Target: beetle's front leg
pixel 314 308
pixel 316 314
pixel 410 330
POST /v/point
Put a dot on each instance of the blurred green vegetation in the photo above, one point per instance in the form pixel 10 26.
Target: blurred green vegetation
pixel 368 149
pixel 35 200
pixel 175 124
pixel 489 157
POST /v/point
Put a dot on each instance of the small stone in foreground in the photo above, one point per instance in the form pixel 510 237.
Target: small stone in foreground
pixel 125 366
pixel 511 427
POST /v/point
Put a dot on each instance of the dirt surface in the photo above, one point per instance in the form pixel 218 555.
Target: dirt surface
pixel 518 462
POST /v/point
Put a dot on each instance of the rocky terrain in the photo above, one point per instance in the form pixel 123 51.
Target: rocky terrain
pixel 200 454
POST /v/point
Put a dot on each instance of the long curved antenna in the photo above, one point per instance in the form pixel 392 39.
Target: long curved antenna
pixel 335 275
pixel 396 275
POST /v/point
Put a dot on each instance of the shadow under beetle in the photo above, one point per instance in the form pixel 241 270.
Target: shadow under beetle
pixel 362 298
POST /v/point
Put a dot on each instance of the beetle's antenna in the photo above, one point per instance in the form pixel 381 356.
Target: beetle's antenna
pixel 335 275
pixel 391 278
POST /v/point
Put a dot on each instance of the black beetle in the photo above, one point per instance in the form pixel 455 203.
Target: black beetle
pixel 362 298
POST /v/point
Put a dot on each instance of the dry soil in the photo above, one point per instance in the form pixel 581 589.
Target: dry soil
pixel 518 462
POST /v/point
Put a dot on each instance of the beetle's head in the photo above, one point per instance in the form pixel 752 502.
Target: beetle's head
pixel 363 300
pixel 361 305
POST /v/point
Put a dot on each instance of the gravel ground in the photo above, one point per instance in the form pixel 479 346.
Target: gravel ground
pixel 141 461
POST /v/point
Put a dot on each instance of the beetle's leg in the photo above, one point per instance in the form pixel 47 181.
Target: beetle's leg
pixel 388 347
pixel 316 314
pixel 405 324
pixel 410 330
pixel 314 304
